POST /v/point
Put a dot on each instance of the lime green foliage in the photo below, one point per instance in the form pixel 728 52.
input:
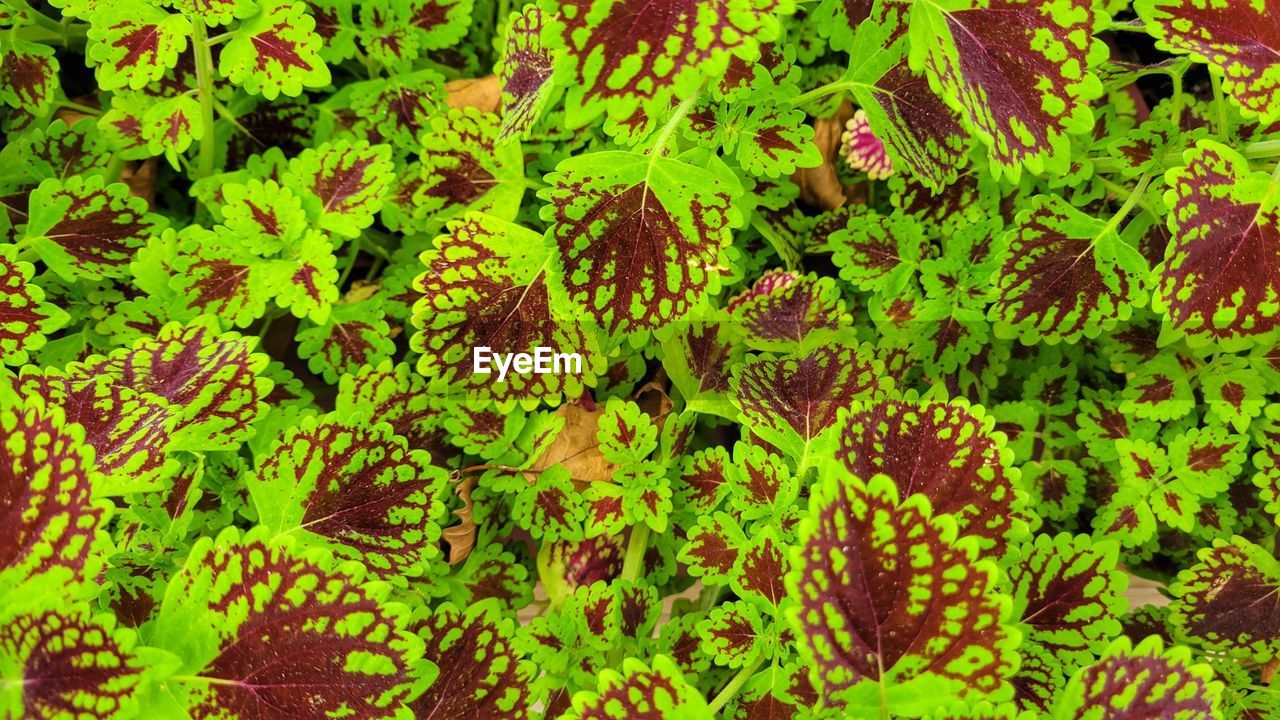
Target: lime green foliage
pixel 639 359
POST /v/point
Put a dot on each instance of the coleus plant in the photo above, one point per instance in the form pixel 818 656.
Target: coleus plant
pixel 903 340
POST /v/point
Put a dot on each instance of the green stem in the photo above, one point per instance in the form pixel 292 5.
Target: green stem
pixel 822 91
pixel 1129 203
pixel 36 16
pixel 667 130
pixel 1223 124
pixel 633 562
pixel 1177 99
pixel 731 690
pixel 204 85
pixel 114 166
pixel 87 110
pixel 352 255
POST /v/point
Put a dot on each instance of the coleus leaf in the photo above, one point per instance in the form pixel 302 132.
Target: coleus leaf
pixel 876 252
pixel 947 452
pixel 136 44
pixel 129 431
pixel 275 52
pixel 1065 275
pixel 524 72
pixel 1237 40
pixel 464 167
pixel 1142 681
pixel 46 499
pixel 481 673
pixel 640 238
pixel 614 65
pixel 1227 602
pixel 760 569
pixel 398 108
pixel 307 277
pixel 1170 484
pixel 25 318
pixel 1068 593
pixel 386 35
pixel 655 690
pixel 358 491
pixel 211 379
pixel 734 634
pixel 342 183
pixel 28 74
pixel 769 139
pixel 761 485
pixel 698 357
pixel 396 395
pixel 783 308
pixel 171 126
pixel 83 227
pixel 216 275
pixel 713 547
pixel 790 401
pixel 1218 281
pixel 440 23
pixel 487 286
pixel 356 333
pixel 267 216
pixel 1017 72
pixel 261 626
pixel 885 636
pixel 551 507
pixel 66 663
pixel 215 12
pixel 919 128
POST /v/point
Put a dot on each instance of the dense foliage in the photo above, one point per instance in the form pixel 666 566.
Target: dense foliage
pixel 911 333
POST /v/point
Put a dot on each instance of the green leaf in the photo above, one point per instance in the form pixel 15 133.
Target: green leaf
pixel 1017 71
pixel 135 44
pixel 28 74
pixel 1065 276
pixel 342 183
pixel 640 238
pixel 1226 602
pixel 84 227
pixel 1218 281
pixel 654 690
pixel 1146 680
pixel 464 167
pixel 275 52
pixel 357 491
pixel 25 318
pixel 487 286
pixel 894 614
pixel 355 334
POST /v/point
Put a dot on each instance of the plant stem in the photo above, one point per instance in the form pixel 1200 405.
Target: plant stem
pixel 204 85
pixel 1132 200
pixel 351 261
pixel 822 91
pixel 667 130
pixel 636 546
pixel 1223 125
pixel 731 690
